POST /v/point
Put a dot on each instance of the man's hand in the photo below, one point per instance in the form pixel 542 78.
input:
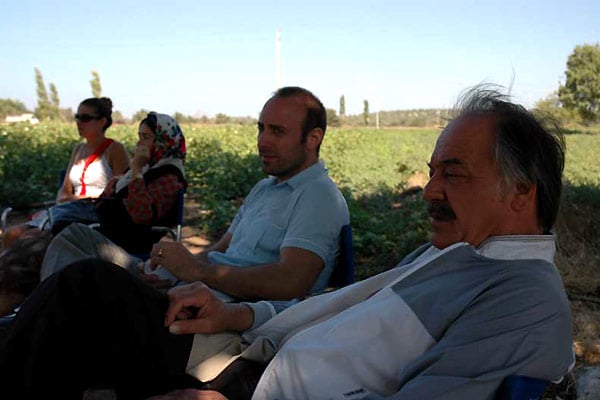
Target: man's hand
pixel 177 259
pixel 194 308
pixel 152 279
pixel 190 394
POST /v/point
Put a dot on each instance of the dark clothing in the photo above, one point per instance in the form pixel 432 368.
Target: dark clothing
pixel 94 325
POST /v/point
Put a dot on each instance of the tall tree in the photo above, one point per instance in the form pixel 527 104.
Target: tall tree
pixel 581 91
pixel 54 102
pixel 366 113
pixel 342 106
pixel 95 83
pixel 43 110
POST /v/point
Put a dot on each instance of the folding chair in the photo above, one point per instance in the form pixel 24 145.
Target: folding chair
pixel 519 387
pixel 343 272
pixel 45 204
pixel 175 231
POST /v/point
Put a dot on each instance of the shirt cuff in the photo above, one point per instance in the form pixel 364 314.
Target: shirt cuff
pixel 263 311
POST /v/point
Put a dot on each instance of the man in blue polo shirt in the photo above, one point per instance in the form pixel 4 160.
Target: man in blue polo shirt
pixel 283 242
pixel 286 234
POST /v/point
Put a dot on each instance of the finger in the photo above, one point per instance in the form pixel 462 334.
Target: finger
pixel 190 326
pixel 194 295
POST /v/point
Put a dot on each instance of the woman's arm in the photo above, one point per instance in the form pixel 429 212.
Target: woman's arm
pixel 118 158
pixel 65 193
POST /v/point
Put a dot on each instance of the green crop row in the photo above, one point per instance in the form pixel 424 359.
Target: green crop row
pixel 372 167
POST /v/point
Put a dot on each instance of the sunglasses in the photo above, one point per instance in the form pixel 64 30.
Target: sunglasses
pixel 85 117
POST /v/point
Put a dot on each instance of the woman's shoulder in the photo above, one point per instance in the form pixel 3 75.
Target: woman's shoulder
pixel 79 147
pixel 117 146
pixel 118 157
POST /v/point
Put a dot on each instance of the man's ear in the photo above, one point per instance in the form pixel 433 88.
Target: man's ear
pixel 314 138
pixel 524 197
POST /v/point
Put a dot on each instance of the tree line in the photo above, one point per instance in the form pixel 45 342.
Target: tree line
pixel 575 101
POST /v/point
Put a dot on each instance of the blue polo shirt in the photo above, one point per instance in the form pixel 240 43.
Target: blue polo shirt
pixel 306 211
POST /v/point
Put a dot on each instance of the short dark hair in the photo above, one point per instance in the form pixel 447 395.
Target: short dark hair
pixel 528 149
pixel 316 116
pixel 151 121
pixel 102 106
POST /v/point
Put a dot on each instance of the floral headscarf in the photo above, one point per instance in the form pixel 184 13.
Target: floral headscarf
pixel 168 147
pixel 169 141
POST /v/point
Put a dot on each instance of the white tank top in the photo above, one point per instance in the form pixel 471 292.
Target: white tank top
pixel 97 174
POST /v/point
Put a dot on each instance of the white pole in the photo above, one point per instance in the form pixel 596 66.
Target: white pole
pixel 277 58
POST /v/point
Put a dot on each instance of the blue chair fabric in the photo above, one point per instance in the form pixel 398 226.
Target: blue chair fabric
pixel 519 387
pixel 343 273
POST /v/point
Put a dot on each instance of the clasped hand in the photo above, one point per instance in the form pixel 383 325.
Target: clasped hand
pixel 193 308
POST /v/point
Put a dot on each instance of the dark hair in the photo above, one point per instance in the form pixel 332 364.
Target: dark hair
pixel 102 106
pixel 151 120
pixel 529 150
pixel 316 116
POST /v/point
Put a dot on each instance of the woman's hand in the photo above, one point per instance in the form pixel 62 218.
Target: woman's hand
pixel 140 157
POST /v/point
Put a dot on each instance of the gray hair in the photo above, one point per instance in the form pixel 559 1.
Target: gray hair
pixel 529 150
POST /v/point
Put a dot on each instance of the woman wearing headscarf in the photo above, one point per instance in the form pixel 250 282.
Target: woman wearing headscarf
pixel 147 194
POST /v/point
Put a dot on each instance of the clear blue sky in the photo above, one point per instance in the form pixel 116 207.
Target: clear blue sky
pixel 204 57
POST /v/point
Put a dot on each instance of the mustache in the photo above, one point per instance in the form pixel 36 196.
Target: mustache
pixel 266 153
pixel 441 211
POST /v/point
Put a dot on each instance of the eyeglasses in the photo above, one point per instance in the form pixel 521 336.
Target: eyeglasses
pixel 85 117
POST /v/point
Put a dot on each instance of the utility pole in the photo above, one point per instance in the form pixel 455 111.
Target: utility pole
pixel 277 58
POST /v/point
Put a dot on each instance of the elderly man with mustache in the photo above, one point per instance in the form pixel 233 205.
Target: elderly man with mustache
pixel 481 302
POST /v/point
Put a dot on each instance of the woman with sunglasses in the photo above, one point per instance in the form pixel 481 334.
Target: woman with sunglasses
pixel 92 165
pixel 85 178
pixel 129 206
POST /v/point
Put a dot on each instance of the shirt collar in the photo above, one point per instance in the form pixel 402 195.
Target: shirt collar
pixel 511 247
pixel 303 176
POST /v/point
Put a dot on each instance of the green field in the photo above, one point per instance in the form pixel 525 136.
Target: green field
pixel 372 167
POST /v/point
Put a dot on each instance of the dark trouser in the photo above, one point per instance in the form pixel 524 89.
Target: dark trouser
pixel 95 325
pixel 91 325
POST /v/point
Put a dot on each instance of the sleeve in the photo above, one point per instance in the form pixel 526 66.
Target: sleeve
pixel 148 203
pixel 522 330
pixel 317 219
pixel 264 310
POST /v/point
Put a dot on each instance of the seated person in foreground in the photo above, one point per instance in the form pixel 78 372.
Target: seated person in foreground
pixel 481 302
pixel 283 242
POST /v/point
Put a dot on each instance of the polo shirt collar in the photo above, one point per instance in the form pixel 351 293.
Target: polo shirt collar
pixel 306 175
